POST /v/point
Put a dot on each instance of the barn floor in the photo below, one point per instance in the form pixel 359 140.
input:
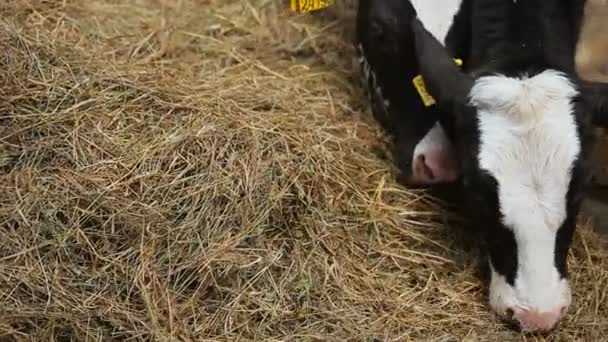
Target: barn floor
pixel 182 170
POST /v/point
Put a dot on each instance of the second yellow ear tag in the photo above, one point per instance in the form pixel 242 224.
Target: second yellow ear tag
pixel 418 81
pixel 302 6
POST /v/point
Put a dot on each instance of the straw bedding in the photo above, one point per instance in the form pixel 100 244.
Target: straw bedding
pixel 208 170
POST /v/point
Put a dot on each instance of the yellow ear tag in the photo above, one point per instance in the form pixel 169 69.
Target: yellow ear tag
pixel 418 81
pixel 302 6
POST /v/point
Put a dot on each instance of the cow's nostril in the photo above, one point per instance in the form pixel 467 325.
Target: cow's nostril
pixel 535 322
pixel 509 313
pixel 428 172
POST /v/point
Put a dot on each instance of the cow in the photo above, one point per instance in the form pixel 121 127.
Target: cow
pixel 512 126
pixel 421 150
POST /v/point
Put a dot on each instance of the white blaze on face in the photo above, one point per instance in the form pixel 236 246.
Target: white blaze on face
pixel 529 143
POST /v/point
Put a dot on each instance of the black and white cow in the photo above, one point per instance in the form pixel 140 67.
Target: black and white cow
pixel 389 64
pixel 513 126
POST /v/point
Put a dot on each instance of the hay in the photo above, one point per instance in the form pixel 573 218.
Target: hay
pixel 207 170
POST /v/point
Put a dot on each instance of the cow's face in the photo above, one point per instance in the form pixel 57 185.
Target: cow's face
pixel 423 151
pixel 522 144
pixel 524 176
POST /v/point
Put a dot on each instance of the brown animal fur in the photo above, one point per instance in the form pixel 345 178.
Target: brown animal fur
pixel 592 47
pixel 592 65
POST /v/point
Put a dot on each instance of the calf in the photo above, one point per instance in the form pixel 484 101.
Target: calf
pixel 518 125
pixel 388 62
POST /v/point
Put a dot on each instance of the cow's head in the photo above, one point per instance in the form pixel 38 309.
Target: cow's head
pixel 422 150
pixel 523 145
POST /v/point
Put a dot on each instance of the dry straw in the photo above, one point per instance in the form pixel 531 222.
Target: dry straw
pixel 208 170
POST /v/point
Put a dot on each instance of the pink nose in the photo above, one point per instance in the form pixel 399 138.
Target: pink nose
pixel 434 167
pixel 534 321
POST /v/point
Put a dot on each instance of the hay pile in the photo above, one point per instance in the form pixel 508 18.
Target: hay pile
pixel 191 170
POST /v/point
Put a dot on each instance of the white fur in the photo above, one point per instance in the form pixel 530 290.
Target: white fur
pixel 437 15
pixel 529 142
pixel 434 140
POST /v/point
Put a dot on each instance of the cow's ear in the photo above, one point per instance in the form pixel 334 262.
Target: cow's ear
pixel 446 83
pixel 595 96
